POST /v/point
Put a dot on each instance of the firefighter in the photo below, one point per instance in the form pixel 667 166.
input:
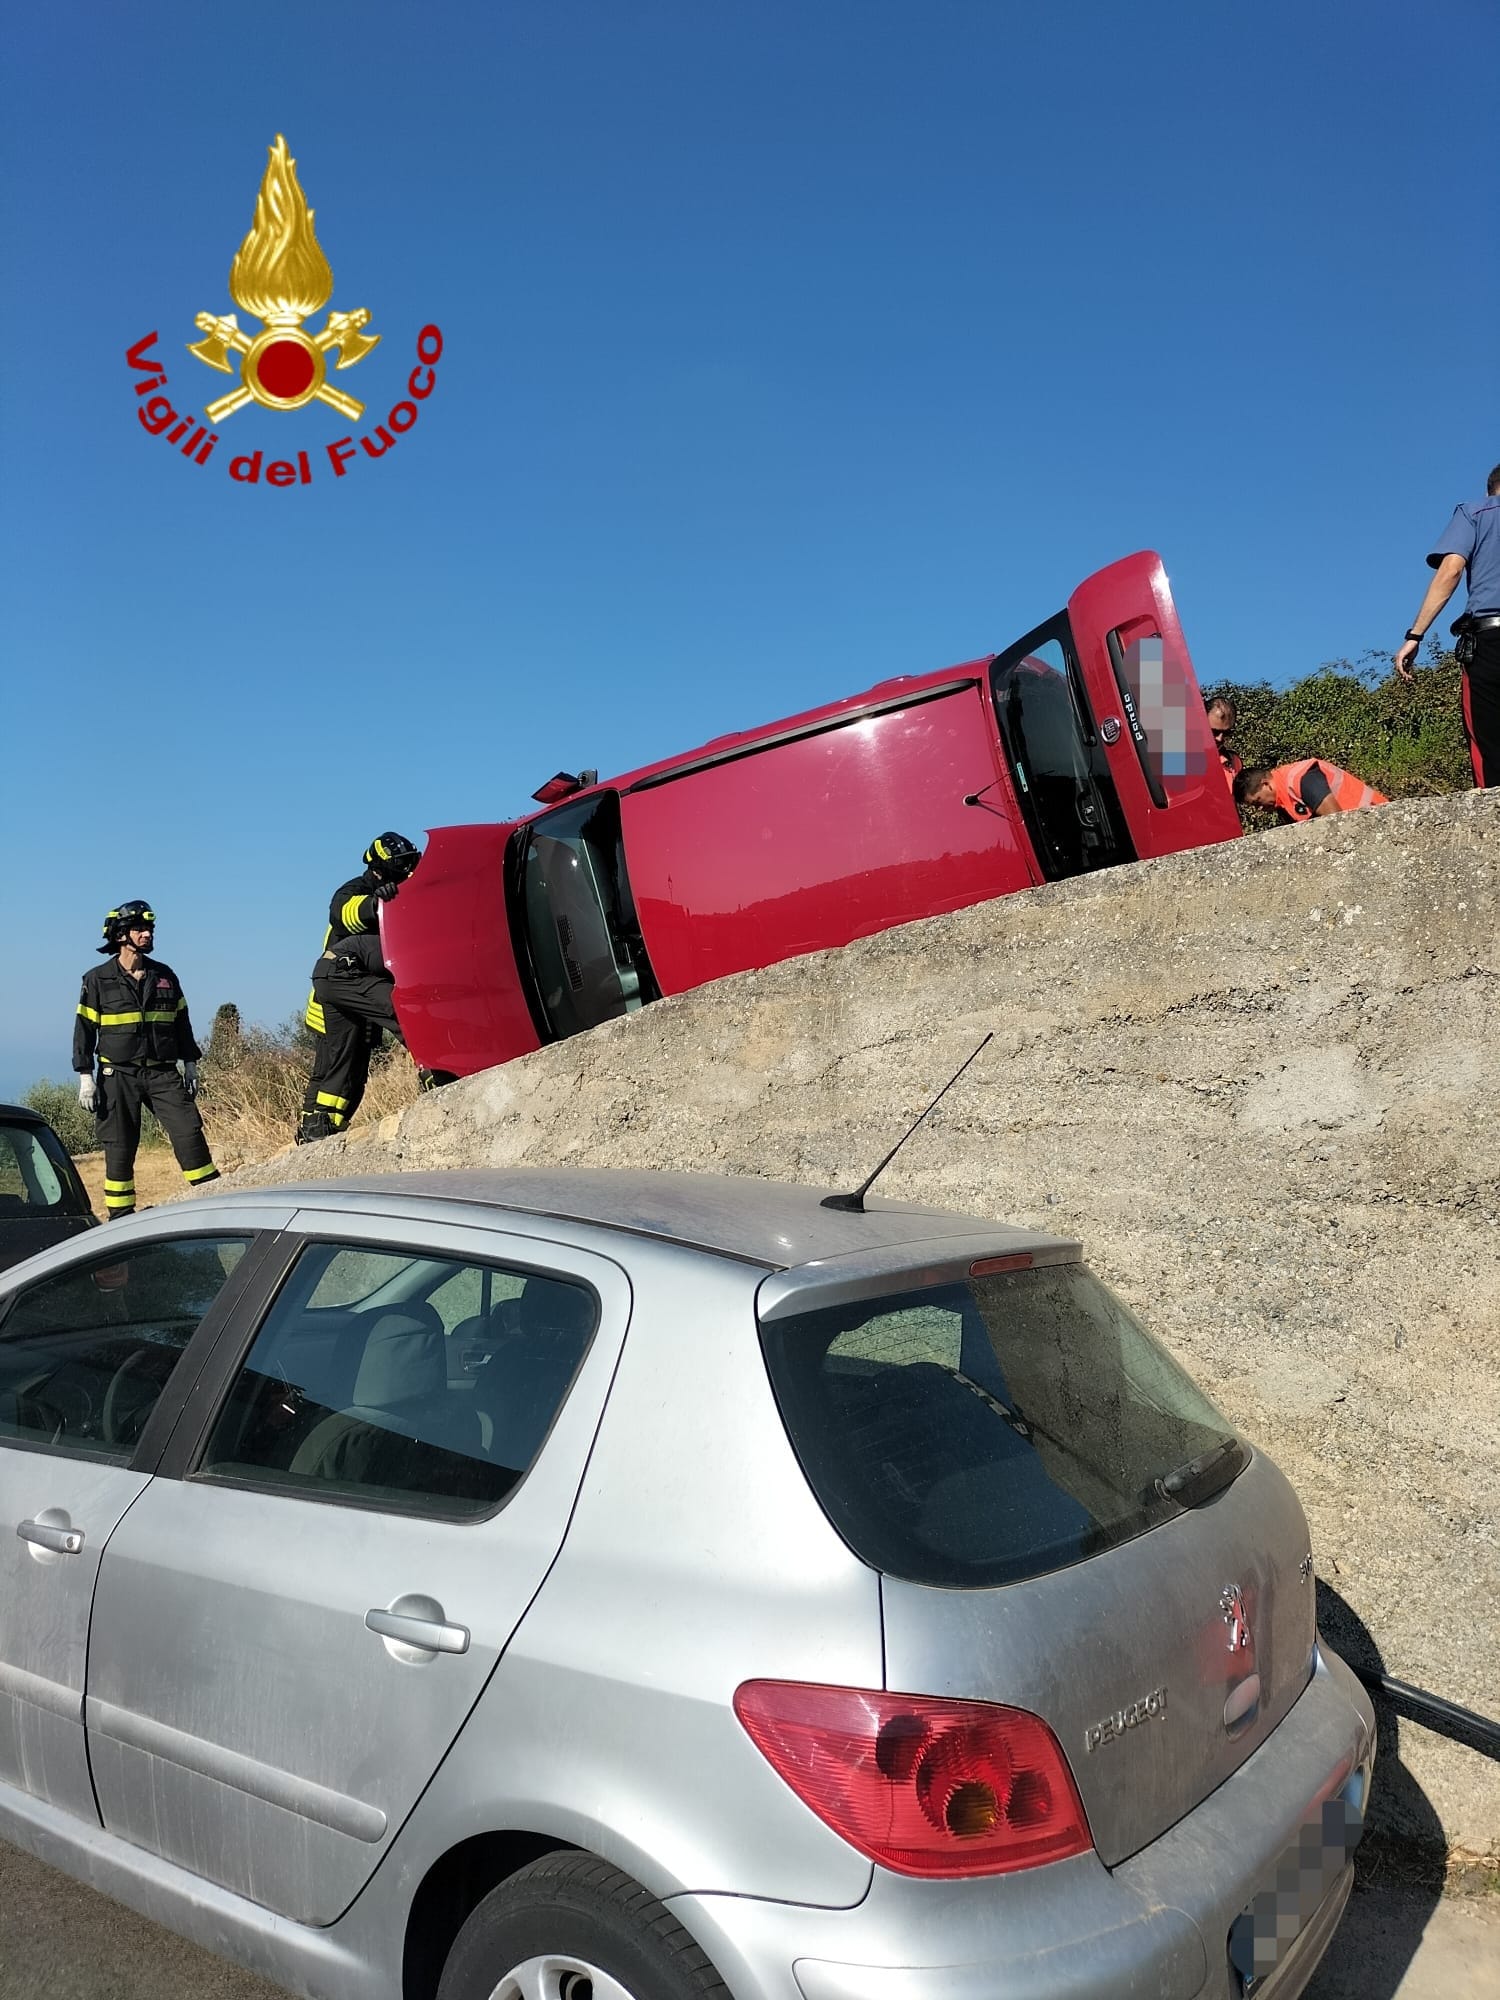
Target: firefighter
pixel 133 1020
pixel 351 1006
pixel 1310 789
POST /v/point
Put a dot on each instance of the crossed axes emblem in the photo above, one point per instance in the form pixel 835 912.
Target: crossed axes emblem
pixel 225 336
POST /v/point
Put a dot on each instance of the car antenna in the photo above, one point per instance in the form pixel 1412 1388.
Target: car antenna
pixel 855 1202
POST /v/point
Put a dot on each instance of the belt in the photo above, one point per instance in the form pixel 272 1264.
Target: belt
pixel 1476 621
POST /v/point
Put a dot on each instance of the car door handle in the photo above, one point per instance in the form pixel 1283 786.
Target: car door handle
pixel 424 1632
pixel 62 1541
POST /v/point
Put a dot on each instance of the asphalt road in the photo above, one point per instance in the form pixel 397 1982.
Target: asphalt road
pixel 62 1942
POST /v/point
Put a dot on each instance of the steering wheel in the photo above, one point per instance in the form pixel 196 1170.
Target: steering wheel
pixel 132 1393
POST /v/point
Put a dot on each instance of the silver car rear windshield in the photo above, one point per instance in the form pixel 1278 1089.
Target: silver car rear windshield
pixel 983 1432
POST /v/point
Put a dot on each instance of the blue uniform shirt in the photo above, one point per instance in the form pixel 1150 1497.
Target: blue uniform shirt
pixel 1474 534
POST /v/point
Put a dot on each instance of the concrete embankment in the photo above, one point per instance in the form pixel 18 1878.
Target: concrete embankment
pixel 1259 1081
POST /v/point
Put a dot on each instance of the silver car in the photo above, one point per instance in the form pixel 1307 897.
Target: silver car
pixel 587 1586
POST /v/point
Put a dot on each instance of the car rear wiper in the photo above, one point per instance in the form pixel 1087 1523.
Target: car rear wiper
pixel 1202 1477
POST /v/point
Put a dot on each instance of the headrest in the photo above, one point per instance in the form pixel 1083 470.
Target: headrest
pixel 403 1358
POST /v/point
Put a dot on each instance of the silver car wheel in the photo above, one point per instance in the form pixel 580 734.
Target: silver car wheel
pixel 559 1978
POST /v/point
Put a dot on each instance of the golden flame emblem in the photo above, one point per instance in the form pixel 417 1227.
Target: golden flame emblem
pixel 280 276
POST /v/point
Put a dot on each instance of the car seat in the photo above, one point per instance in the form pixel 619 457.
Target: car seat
pixel 535 1348
pixel 400 1398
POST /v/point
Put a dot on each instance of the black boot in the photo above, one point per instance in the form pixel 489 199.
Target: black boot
pixel 314 1125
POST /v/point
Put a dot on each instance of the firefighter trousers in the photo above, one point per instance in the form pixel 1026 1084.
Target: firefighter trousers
pixel 123 1095
pixel 356 1008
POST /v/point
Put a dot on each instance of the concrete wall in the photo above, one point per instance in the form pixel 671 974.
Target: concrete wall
pixel 1259 1081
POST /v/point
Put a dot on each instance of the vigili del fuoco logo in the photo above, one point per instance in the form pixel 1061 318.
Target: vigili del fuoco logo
pixel 280 277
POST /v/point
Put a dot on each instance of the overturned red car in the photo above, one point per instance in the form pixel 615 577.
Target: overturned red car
pixel 1080 746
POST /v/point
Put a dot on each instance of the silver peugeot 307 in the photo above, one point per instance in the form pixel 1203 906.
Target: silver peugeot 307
pixel 588 1586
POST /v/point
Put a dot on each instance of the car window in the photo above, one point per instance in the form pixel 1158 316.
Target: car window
pixel 402 1404
pixel 356 1275
pixel 1062 775
pixel 86 1353
pixel 470 1292
pixel 34 1179
pixel 984 1432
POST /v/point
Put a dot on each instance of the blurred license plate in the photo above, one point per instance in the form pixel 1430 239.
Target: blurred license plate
pixel 1263 1932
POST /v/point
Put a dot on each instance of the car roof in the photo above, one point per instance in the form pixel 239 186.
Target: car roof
pixel 774 1223
pixel 20 1114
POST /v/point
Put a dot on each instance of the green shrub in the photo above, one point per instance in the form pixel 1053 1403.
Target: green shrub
pixel 58 1104
pixel 1406 741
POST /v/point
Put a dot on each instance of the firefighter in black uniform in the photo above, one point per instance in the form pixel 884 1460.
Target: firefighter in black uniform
pixel 133 1019
pixel 351 1006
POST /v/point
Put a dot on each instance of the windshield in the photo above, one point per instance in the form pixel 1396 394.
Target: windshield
pixel 35 1176
pixel 575 916
pixel 1072 809
pixel 987 1431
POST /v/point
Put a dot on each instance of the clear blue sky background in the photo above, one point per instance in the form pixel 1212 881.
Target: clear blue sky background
pixel 790 344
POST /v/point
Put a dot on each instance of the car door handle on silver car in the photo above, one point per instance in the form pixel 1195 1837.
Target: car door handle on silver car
pixel 429 1634
pixel 61 1541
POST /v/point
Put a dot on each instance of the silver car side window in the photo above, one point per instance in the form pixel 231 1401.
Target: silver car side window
pixel 85 1354
pixel 387 1397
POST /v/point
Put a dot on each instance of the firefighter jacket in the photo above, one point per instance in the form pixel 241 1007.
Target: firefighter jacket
pixel 355 907
pixel 129 1022
pixel 358 956
pixel 1349 792
pixel 353 910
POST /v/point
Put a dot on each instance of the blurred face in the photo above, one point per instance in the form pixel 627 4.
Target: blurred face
pixel 1263 795
pixel 1220 722
pixel 140 936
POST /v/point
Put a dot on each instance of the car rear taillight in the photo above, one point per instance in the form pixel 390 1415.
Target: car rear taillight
pixel 923 1786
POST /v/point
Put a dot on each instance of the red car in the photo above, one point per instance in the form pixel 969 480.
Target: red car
pixel 1082 745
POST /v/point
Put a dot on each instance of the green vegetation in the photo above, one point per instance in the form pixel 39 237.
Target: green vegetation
pixel 58 1104
pixel 1406 741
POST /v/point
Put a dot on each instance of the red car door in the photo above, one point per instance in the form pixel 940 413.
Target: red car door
pixel 1148 708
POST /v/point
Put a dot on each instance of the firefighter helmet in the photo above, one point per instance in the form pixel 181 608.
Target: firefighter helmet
pixel 392 857
pixel 135 916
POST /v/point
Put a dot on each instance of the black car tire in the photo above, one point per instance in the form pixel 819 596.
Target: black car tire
pixel 574 1905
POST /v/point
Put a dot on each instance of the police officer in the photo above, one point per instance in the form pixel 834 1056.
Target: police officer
pixel 1469 544
pixel 133 1018
pixel 351 1005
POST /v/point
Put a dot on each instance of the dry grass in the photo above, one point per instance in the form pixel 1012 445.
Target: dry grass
pixel 252 1094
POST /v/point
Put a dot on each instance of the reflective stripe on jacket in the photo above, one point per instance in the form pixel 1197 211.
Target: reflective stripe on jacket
pixel 353 907
pixel 1349 792
pixel 129 1021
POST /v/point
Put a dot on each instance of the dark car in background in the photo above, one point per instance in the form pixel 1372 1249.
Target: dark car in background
pixel 42 1199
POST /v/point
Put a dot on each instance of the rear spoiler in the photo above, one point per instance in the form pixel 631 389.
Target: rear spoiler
pixel 915 1267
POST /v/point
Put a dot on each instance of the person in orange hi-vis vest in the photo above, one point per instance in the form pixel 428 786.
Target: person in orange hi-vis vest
pixel 1308 790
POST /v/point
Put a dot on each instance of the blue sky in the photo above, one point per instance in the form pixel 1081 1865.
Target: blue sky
pixel 787 346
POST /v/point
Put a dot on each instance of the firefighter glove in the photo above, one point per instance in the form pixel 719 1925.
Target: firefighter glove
pixel 87 1090
pixel 190 1078
pixel 385 890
